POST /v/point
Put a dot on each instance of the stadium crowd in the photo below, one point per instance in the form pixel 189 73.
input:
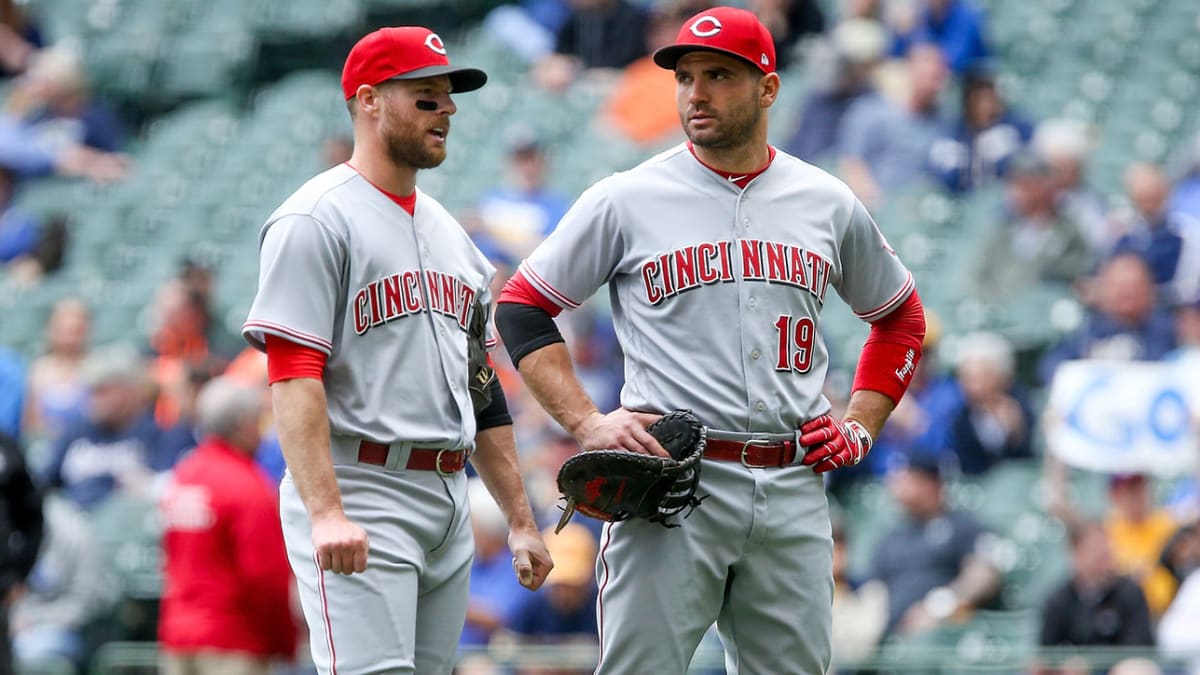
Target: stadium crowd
pixel 904 94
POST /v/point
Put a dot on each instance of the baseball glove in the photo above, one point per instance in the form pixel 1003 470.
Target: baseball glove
pixel 613 485
pixel 479 370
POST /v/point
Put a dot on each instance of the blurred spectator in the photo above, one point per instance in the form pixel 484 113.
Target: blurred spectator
pixel 494 590
pixel 1138 531
pixel 116 444
pixel 184 340
pixel 1065 146
pixel 56 388
pixel 50 124
pixel 12 392
pixel 641 105
pixel 595 34
pixel 955 26
pixel 855 48
pixel 1181 554
pixel 1155 233
pixel 518 215
pixel 1185 196
pixel 21 528
pixel 529 27
pixel 1177 634
pixel 1127 323
pixel 859 609
pixel 63 593
pixel 884 145
pixel 1036 243
pixel 603 33
pixel 249 368
pixel 936 563
pixel 788 21
pixel 198 278
pixel 336 150
pixel 226 603
pixel 1095 606
pixel 564 612
pixel 1187 332
pixel 995 422
pixel 20 37
pixel 978 147
pixel 19 229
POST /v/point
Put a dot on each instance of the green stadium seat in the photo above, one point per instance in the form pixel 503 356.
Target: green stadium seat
pixel 128 531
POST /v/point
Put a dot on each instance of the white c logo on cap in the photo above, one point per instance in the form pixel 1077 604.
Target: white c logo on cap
pixel 700 32
pixel 435 44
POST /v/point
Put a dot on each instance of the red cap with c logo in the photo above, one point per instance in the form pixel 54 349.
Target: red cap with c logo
pixel 404 53
pixel 725 30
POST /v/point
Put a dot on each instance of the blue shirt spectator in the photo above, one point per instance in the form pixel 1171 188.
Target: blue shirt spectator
pixel 884 145
pixel 1159 244
pixel 517 215
pixel 604 33
pixel 52 125
pixel 12 392
pixel 975 150
pixel 1168 241
pixel 564 609
pixel 1185 198
pixel 19 234
pixel 116 444
pixel 91 461
pixel 541 619
pixel 1127 324
pixel 955 26
pixel 931 548
pixel 494 589
pixel 855 48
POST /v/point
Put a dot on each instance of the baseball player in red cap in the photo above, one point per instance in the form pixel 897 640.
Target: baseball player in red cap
pixel 368 290
pixel 718 255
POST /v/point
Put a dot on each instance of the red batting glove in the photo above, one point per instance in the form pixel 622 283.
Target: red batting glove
pixel 831 444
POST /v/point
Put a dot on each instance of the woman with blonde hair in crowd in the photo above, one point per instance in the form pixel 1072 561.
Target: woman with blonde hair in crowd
pixel 55 385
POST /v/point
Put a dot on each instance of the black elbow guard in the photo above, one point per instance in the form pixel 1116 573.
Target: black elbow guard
pixel 525 329
pixel 496 413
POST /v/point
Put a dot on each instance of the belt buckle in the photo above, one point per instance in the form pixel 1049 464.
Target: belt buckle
pixel 746 448
pixel 437 463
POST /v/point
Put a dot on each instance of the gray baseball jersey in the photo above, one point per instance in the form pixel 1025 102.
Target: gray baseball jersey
pixel 387 296
pixel 719 290
pixel 716 295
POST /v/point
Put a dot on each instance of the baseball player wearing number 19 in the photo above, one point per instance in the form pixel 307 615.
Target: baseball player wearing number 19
pixel 718 255
pixel 368 293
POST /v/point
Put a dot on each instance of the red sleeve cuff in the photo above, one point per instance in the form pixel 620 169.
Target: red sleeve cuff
pixel 287 360
pixel 518 290
pixel 893 350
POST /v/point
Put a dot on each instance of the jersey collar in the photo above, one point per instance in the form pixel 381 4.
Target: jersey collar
pixel 739 181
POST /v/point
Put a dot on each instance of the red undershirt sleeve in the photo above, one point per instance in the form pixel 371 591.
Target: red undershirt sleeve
pixel 518 290
pixel 287 360
pixel 893 350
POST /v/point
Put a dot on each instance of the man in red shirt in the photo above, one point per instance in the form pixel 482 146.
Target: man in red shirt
pixel 226 601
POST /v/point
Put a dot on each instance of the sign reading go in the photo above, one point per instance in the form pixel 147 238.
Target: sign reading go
pixel 1125 417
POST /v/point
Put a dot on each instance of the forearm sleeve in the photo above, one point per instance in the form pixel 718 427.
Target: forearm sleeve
pixel 525 329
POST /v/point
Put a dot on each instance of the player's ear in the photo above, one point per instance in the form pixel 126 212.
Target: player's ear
pixel 368 99
pixel 768 89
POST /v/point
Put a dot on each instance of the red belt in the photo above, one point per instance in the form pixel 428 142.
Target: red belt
pixel 442 461
pixel 752 453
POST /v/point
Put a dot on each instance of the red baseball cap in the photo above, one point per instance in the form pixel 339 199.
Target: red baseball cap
pixel 725 30
pixel 404 53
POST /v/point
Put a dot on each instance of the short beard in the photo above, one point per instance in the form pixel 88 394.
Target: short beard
pixel 406 147
pixel 733 131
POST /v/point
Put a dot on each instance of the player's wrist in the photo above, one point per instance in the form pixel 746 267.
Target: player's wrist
pixel 327 513
pixel 580 426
